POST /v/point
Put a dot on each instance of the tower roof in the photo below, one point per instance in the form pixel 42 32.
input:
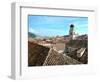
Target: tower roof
pixel 71 25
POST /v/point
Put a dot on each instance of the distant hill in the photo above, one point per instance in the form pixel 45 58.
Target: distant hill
pixel 32 35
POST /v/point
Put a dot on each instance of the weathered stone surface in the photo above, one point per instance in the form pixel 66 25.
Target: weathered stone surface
pixel 54 58
pixel 36 54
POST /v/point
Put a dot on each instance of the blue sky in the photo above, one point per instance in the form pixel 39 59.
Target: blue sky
pixel 56 25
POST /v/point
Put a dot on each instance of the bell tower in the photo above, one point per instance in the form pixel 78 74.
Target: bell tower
pixel 72 32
